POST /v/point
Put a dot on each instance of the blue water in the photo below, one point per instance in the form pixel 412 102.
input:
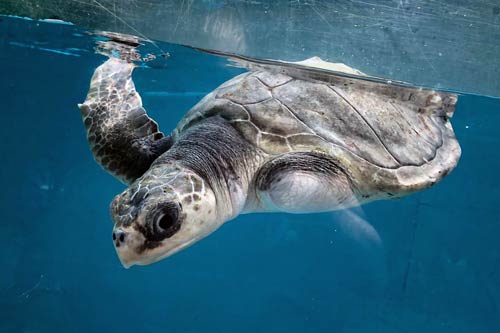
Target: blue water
pixel 429 262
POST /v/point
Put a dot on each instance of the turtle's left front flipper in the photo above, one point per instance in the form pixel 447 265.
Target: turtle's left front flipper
pixel 123 139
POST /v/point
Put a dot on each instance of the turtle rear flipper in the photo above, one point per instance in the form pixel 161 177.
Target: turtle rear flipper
pixel 123 139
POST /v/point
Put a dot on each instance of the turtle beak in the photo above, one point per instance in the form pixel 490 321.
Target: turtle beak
pixel 125 264
pixel 125 259
pixel 124 242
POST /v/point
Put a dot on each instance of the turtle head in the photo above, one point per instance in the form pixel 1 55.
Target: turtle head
pixel 161 213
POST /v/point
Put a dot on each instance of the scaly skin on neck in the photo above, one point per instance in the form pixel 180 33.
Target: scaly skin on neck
pixel 215 151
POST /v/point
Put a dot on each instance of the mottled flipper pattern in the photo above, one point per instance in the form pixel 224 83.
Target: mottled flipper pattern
pixel 123 139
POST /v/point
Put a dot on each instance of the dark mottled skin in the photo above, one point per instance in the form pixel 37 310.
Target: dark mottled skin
pixel 123 139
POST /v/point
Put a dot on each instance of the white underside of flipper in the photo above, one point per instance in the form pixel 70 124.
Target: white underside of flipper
pixel 305 192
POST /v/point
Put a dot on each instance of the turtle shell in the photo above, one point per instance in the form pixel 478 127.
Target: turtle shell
pixel 390 139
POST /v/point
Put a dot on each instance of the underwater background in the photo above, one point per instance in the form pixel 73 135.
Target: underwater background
pixel 430 261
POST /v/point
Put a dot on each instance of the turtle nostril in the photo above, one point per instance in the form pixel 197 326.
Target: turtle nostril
pixel 119 236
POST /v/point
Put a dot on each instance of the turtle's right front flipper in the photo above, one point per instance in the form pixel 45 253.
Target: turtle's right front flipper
pixel 123 139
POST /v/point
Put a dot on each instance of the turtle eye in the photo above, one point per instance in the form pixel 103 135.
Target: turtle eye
pixel 165 221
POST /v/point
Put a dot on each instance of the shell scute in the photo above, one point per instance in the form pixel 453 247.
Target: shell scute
pixel 273 144
pixel 273 117
pixel 333 119
pixel 397 124
pixel 273 79
pixel 247 91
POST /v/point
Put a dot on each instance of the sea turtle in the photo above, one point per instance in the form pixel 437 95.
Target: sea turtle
pixel 267 140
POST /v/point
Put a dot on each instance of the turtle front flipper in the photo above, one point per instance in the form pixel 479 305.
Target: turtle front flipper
pixel 304 182
pixel 123 139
